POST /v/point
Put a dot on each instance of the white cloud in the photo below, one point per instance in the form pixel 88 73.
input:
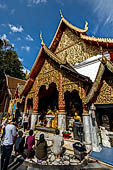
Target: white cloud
pixel 3 25
pixel 26 70
pixel 18 39
pixel 96 28
pixel 60 2
pixel 4 37
pixel 12 11
pixel 29 38
pixel 13 45
pixel 15 29
pixel 21 59
pixel 103 10
pixel 27 48
pixel 3 6
pixel 35 2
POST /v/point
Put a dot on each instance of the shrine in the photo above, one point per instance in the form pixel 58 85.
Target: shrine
pixel 60 83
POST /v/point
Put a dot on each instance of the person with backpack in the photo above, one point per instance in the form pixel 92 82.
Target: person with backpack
pixel 19 144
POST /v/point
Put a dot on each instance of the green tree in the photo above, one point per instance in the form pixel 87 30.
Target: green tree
pixel 9 62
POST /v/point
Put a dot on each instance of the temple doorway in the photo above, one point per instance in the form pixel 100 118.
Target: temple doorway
pixel 73 103
pixel 20 106
pixel 104 116
pixel 30 106
pixel 48 98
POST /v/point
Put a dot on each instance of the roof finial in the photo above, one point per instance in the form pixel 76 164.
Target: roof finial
pixel 61 14
pixel 42 42
pixel 86 26
pixel 101 50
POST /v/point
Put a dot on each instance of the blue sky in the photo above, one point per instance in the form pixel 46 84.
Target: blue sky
pixel 22 20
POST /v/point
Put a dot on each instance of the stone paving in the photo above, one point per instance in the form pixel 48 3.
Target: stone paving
pixel 66 159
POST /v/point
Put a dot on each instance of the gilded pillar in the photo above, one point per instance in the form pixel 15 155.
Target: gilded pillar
pixel 35 108
pixel 61 104
pixel 35 100
pixel 25 106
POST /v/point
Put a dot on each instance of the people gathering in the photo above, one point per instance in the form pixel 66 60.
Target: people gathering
pixel 15 139
pixel 18 137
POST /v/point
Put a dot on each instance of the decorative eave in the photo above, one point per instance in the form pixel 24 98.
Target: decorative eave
pixel 37 66
pixel 59 31
pixel 44 49
pixel 39 62
pixel 107 42
pixel 97 83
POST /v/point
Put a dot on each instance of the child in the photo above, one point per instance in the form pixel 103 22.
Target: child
pixel 19 144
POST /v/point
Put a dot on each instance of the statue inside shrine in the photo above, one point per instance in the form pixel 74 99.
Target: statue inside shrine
pixel 73 110
pixel 55 120
pixel 49 111
pixel 77 118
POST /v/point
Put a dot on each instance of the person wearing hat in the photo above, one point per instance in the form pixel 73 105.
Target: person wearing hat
pixel 10 134
pixel 41 149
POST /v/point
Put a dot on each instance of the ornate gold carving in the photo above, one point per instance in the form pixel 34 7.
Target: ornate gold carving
pixel 74 27
pixel 86 26
pixel 47 75
pixel 106 93
pixel 42 42
pixel 106 40
pixel 61 14
pixel 69 85
pixel 75 48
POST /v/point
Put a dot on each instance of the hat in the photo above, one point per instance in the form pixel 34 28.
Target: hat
pixel 3 118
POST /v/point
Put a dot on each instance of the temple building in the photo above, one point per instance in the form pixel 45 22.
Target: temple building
pixel 73 74
pixel 9 92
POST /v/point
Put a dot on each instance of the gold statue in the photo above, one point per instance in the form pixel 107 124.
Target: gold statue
pixel 55 120
pixel 49 111
pixel 77 118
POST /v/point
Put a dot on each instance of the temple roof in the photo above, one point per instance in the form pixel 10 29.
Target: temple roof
pixel 90 66
pixel 59 31
pixel 105 64
pixel 104 42
pixel 12 83
pixel 46 52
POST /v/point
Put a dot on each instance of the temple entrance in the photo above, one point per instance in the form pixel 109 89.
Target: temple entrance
pixel 48 98
pixel 104 116
pixel 30 105
pixel 73 103
pixel 20 106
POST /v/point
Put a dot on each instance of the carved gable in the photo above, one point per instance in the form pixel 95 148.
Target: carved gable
pixel 48 74
pixel 106 92
pixel 74 48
